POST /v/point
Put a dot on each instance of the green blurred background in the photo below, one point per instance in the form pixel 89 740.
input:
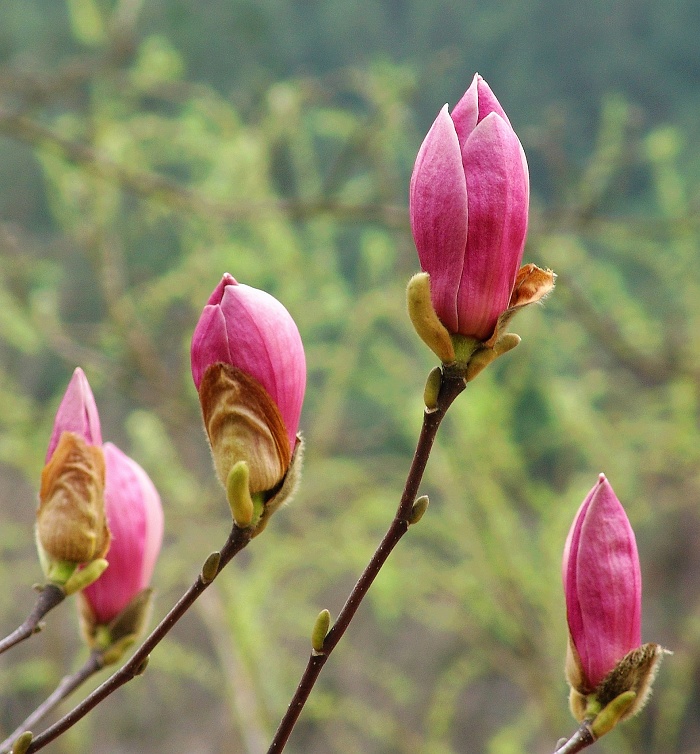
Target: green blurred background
pixel 147 146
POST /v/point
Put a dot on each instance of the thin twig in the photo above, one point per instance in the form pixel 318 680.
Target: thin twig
pixel 452 386
pixel 49 597
pixel 237 540
pixel 67 686
pixel 579 741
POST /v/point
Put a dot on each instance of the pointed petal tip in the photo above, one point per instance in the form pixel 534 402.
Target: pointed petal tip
pixel 218 292
pixel 76 413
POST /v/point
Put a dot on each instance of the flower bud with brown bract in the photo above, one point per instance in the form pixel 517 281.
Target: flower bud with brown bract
pixel 243 423
pixel 71 522
pixel 249 368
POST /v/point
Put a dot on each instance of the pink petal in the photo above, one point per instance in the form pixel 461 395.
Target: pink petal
pixel 265 343
pixel 438 210
pixel 488 102
pixel 218 292
pixel 570 571
pixel 465 114
pixel 77 413
pixel 603 584
pixel 478 101
pixel 498 191
pixel 135 518
pixel 209 342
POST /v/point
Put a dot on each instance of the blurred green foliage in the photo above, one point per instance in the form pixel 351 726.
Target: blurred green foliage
pixel 148 147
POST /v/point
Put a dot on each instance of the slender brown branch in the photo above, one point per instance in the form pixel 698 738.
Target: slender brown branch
pixel 237 540
pixel 49 597
pixel 67 686
pixel 452 386
pixel 579 741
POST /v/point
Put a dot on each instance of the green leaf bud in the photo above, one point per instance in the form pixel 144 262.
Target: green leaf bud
pixel 420 506
pixel 210 567
pixel 432 388
pixel 86 576
pixel 320 631
pixel 22 742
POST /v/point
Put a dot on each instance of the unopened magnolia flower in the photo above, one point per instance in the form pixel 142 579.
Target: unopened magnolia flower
pixel 607 665
pixel 77 413
pixel 119 599
pixel 135 517
pixel 469 199
pixel 249 367
pixel 71 524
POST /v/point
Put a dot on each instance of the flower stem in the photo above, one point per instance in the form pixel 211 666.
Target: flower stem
pixel 49 597
pixel 581 739
pixel 68 684
pixel 452 386
pixel 237 540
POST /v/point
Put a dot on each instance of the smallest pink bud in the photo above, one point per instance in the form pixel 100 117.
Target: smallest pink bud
pixel 77 413
pixel 71 523
pixel 135 517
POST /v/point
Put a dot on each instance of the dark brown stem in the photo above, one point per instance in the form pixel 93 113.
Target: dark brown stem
pixel 49 597
pixel 67 686
pixel 579 741
pixel 237 540
pixel 452 386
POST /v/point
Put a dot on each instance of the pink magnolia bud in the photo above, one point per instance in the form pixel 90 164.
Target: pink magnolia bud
pixel 71 524
pixel 77 413
pixel 249 368
pixel 135 518
pixel 602 587
pixel 469 206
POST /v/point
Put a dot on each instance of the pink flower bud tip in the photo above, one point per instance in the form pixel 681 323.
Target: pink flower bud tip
pixel 250 330
pixel 602 585
pixel 77 413
pixel 135 517
pixel 469 199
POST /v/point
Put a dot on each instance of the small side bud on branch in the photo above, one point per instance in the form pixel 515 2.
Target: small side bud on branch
pixel 432 388
pixel 142 667
pixel 420 506
pixel 320 631
pixel 211 567
pixel 22 743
